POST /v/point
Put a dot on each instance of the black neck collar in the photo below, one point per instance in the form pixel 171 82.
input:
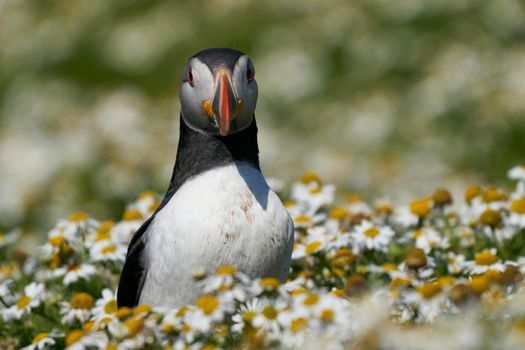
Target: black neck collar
pixel 198 152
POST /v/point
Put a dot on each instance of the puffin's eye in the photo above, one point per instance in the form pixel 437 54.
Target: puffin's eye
pixel 190 77
pixel 250 74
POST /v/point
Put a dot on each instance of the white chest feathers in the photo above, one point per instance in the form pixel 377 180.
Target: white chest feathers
pixel 224 216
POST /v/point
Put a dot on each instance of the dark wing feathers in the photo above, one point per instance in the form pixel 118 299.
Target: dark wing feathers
pixel 134 270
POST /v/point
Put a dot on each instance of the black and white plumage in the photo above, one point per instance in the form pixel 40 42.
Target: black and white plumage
pixel 218 209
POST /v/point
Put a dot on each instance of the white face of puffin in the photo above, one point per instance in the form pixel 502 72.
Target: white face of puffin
pixel 219 101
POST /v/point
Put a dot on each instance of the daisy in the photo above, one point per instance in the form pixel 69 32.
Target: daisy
pixel 404 217
pixel 43 341
pixel 73 272
pixel 455 263
pixel 372 237
pixel 32 298
pixel 77 309
pixel 105 307
pixel 485 261
pixel 267 318
pixel 517 173
pixel 428 238
pixel 81 339
pixel 517 213
pixel 312 192
pixel 107 251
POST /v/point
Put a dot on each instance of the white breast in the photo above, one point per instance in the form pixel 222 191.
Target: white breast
pixel 222 216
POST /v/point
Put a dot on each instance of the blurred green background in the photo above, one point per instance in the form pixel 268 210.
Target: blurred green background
pixel 387 98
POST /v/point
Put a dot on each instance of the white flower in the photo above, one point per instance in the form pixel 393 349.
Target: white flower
pixel 427 238
pixel 404 217
pixel 82 340
pixel 43 341
pixel 106 306
pixel 455 262
pixel 77 309
pixel 369 236
pixel 74 272
pixel 313 194
pixel 32 298
pixel 517 173
pixel 107 251
pixel 484 261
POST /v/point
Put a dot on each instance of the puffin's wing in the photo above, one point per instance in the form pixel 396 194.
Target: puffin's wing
pixel 134 270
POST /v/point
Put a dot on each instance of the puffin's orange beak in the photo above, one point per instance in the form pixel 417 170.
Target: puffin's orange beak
pixel 224 102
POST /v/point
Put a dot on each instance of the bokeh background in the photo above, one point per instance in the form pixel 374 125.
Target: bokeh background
pixel 385 98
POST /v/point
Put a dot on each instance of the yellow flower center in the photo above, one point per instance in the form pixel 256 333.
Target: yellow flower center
pixel 56 241
pixel 207 303
pixel 338 213
pixel 78 217
pixel 111 307
pixel 417 234
pixel 73 267
pixel 132 214
pixel 490 217
pixel 102 236
pixel 428 290
pixel 186 328
pixel 518 206
pixel 311 299
pixel 302 219
pixel 485 258
pixel 123 312
pixel 310 176
pixel 289 203
pixel 181 311
pixel 167 328
pixel 23 302
pixel 82 301
pixel 134 326
pixel 112 346
pixel 249 315
pixel 146 194
pixel 312 247
pixel 269 312
pixel 479 284
pixel 142 308
pixel 226 270
pixel 109 249
pixel 74 336
pixel 420 207
pixel 343 258
pixel 315 190
pixel 442 196
pixel 327 315
pixel 371 232
pixel 270 283
pixel 493 194
pixel 298 324
pixel 389 267
pixel 39 337
pixel 471 193
pixel 88 326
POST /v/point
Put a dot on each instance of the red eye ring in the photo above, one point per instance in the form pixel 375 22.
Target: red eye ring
pixel 190 78
pixel 250 75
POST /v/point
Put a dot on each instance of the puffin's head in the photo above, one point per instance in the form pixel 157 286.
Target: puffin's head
pixel 218 92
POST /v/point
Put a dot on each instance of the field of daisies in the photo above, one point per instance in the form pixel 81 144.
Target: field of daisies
pixel 438 273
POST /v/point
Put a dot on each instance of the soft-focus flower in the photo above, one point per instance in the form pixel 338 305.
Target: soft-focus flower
pixel 369 236
pixel 32 297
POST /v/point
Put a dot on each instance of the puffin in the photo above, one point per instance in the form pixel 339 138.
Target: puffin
pixel 218 209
